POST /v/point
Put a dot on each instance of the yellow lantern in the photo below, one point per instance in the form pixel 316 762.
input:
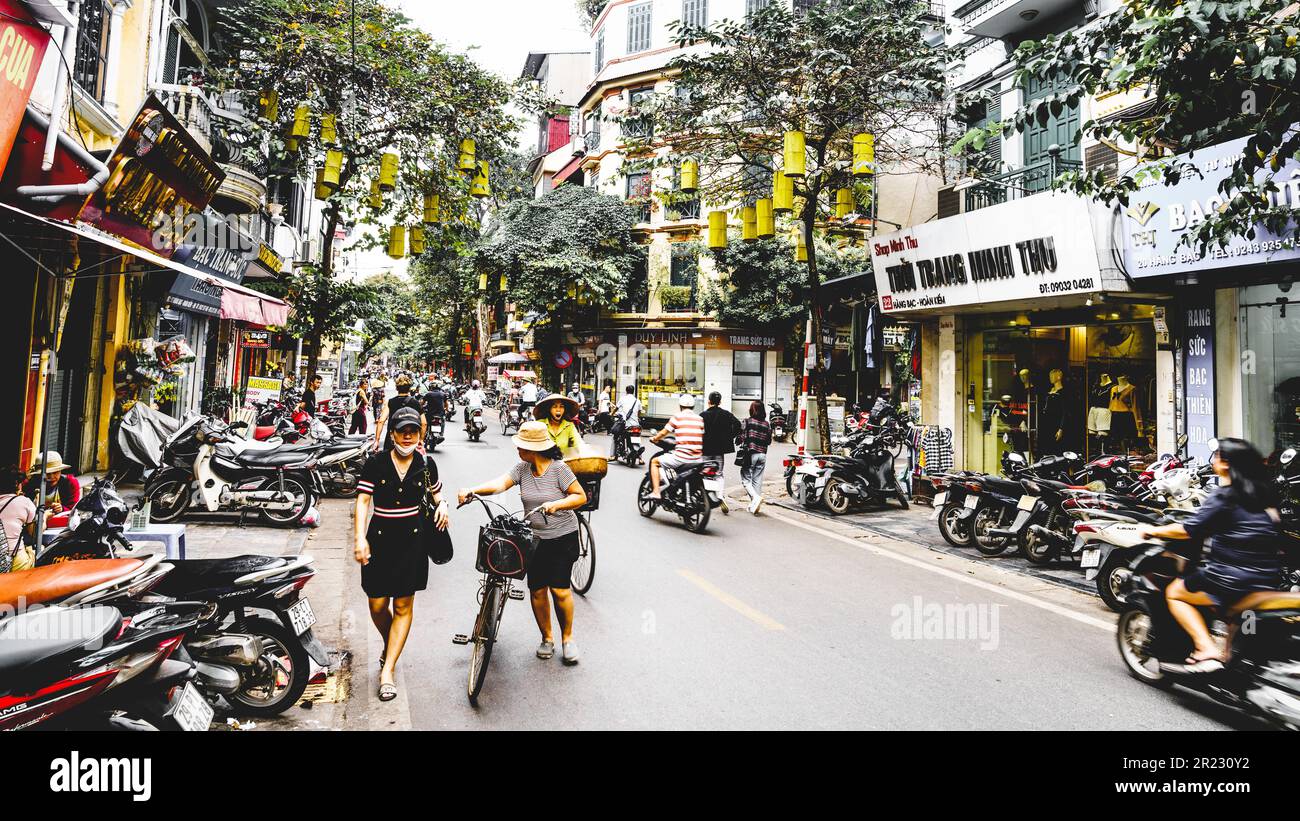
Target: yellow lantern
pixel 291 145
pixel 480 188
pixel 482 281
pixel 324 189
pixel 397 241
pixel 571 291
pixel 467 162
pixel 717 229
pixel 800 247
pixel 843 202
pixel 301 121
pixel 749 223
pixel 376 195
pixel 764 218
pixel 268 105
pixel 794 154
pixel 782 193
pixel 503 283
pixel 431 208
pixel 416 233
pixel 864 155
pixel 388 172
pixel 329 133
pixel 690 176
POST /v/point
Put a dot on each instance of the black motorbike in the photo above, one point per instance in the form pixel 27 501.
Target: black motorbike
pixel 996 517
pixel 475 426
pixel 867 478
pixel 1260 678
pixel 777 419
pixel 627 442
pixel 684 491
pixel 436 433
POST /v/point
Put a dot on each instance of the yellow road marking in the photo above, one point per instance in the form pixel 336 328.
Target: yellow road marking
pixel 731 601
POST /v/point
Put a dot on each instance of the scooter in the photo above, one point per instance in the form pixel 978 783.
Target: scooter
pixel 690 492
pixel 776 418
pixel 627 442
pixel 866 478
pixel 436 434
pixel 475 426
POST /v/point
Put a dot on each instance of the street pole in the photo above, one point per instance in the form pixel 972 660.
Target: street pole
pixel 803 411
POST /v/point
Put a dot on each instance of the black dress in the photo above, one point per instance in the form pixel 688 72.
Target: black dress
pixel 1051 418
pixel 398 564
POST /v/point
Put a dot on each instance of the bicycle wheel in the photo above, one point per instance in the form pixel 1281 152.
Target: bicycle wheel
pixel 584 569
pixel 485 635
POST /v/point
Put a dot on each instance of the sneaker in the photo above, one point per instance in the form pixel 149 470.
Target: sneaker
pixel 546 650
pixel 758 505
pixel 570 652
pixel 723 506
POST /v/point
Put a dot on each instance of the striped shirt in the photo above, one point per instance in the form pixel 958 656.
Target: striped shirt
pixel 755 434
pixel 394 496
pixel 688 428
pixel 551 486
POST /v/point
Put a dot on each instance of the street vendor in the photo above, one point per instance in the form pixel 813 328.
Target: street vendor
pixel 557 412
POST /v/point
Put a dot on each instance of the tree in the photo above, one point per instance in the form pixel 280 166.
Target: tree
pixel 833 71
pixel 324 306
pixel 1213 71
pixel 446 289
pixel 393 315
pixel 391 88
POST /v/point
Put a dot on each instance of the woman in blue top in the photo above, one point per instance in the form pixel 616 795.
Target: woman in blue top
pixel 1240 524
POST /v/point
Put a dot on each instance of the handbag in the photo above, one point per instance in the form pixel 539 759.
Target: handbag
pixel 436 543
pixel 743 452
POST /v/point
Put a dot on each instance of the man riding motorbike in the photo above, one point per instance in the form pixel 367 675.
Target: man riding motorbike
pixel 627 414
pixel 474 400
pixel 689 429
pixel 1240 520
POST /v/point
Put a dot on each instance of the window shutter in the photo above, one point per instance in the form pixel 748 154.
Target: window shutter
pixel 638 28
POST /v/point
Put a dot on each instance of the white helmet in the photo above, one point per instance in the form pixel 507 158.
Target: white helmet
pixel 686 401
pixel 476 383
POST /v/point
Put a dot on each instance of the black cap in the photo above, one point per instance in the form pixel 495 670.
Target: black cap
pixel 404 417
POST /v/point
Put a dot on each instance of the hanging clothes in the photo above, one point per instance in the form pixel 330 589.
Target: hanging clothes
pixel 871 348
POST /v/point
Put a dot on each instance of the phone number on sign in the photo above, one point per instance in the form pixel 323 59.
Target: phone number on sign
pixel 1067 285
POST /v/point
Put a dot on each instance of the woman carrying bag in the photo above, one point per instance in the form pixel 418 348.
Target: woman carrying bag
pixel 396 535
pixel 754 437
pixel 17 515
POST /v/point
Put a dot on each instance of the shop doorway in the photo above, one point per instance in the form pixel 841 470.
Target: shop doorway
pixel 1270 367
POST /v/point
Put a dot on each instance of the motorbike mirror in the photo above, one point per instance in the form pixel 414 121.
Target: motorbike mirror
pixel 1287 456
pixel 1069 454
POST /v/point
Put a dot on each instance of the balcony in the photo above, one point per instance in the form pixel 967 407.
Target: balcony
pixel 190 105
pixel 1000 18
pixel 1013 185
pixel 222 130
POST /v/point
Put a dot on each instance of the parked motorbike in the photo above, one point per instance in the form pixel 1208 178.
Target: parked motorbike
pixel 210 468
pixel 865 479
pixel 689 492
pixel 1262 676
pixel 776 418
pixel 475 426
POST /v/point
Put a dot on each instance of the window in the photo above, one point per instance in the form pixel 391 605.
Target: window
pixel 640 127
pixel 682 207
pixel 92 47
pixel 638 28
pixel 747 375
pixel 592 138
pixel 638 193
pixel 695 13
pixel 600 50
pixel 752 6
pixel 187 42
pixel 802 6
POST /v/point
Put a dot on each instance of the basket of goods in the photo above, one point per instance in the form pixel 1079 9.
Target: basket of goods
pixel 590 466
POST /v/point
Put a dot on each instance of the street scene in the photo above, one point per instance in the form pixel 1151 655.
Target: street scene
pixel 650 365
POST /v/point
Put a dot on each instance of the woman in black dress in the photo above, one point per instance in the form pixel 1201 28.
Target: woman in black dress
pixel 387 546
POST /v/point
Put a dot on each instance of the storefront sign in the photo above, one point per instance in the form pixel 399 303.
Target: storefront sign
pixel 1198 375
pixel 1158 216
pixel 22 47
pixel 1039 246
pixel 255 339
pixel 261 389
pixel 159 178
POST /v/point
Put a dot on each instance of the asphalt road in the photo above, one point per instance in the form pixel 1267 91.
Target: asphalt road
pixel 765 623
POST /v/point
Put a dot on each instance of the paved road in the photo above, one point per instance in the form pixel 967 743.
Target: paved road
pixel 763 622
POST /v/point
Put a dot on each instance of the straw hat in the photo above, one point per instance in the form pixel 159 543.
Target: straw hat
pixel 533 436
pixel 543 408
pixel 54 464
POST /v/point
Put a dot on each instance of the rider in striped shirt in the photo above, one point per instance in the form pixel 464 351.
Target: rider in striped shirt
pixel 688 428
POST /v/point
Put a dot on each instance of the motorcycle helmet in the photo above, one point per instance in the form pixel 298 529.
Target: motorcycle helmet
pixel 686 401
pixel 476 383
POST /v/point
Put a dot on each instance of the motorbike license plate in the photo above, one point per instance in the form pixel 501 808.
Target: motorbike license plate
pixel 1090 558
pixel 941 499
pixel 713 484
pixel 972 502
pixel 190 710
pixel 1026 503
pixel 301 616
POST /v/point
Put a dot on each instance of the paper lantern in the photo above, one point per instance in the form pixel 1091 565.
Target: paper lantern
pixel 782 193
pixel 291 145
pixel 467 162
pixel 301 121
pixel 388 172
pixel 268 105
pixel 844 203
pixel 480 187
pixel 416 233
pixel 397 241
pixel 503 283
pixel 794 155
pixel 329 133
pixel 748 223
pixel 482 282
pixel 764 219
pixel 864 155
pixel 690 176
pixel 376 195
pixel 323 189
pixel 800 247
pixel 717 229
pixel 431 208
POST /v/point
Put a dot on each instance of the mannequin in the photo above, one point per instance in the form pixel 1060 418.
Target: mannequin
pixel 1051 417
pixel 1099 410
pixel 1125 418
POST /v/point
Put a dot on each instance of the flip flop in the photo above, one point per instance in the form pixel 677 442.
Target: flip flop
pixel 387 692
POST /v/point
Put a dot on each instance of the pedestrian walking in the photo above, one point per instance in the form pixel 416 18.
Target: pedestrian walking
pixel 394 565
pixel 360 402
pixel 720 430
pixel 753 440
pixel 403 399
pixel 17 520
pixel 545 482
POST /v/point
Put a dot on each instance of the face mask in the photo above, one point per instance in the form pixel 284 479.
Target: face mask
pixel 405 450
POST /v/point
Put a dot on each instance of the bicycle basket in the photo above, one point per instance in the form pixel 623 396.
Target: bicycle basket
pixel 592 488
pixel 503 552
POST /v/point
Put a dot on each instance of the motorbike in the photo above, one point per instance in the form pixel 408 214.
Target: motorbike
pixel 436 434
pixel 951 492
pixel 996 516
pixel 475 426
pixel 690 492
pixel 776 418
pixel 627 442
pixel 207 467
pixel 866 478
pixel 1262 675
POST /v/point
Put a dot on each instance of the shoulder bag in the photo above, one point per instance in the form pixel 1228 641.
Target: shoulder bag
pixel 436 543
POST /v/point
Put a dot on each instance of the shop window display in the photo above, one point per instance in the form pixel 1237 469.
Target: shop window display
pixel 1270 367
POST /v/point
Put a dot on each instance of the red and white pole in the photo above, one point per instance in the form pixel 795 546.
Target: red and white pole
pixel 809 352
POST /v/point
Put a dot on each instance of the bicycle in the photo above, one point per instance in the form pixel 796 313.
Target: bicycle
pixel 584 567
pixel 504 545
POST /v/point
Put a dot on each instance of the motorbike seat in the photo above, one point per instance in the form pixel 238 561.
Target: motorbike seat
pixel 1006 487
pixel 339 447
pixel 70 630
pixel 199 574
pixel 42 585
pixel 280 457
pixel 1266 600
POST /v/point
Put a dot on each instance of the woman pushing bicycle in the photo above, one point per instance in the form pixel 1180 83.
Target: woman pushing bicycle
pixel 547 483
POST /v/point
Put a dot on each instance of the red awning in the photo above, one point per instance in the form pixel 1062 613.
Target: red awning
pixel 520 374
pixel 567 171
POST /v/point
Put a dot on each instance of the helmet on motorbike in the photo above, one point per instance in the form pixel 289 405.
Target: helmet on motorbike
pixel 476 383
pixel 686 401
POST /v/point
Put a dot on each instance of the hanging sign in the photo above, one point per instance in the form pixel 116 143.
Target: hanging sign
pixel 255 339
pixel 1198 375
pixel 22 47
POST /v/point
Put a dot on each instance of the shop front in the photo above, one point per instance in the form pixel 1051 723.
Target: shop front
pixel 1028 337
pixel 1237 345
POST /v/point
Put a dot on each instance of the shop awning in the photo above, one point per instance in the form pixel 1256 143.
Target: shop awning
pixel 237 302
pixel 520 374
